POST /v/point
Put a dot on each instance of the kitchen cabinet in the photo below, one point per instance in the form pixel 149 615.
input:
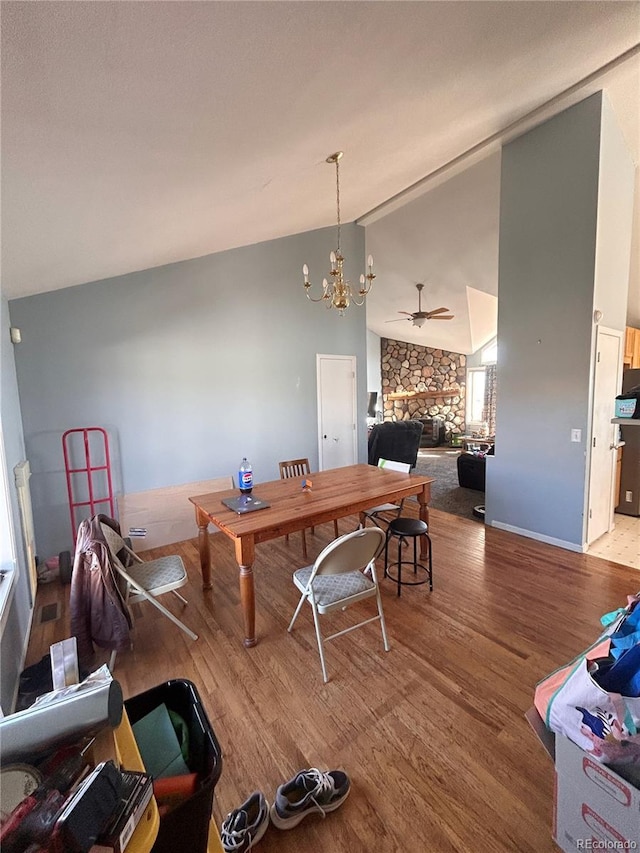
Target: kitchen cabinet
pixel 631 356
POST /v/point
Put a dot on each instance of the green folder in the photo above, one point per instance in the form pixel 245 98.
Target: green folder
pixel 159 745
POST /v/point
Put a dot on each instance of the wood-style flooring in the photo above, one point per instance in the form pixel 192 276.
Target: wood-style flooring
pixel 431 733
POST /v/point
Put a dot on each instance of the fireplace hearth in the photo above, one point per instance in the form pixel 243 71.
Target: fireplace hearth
pixel 433 432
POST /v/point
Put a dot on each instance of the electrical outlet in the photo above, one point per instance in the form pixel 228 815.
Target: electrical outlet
pixel 576 435
pixel 628 496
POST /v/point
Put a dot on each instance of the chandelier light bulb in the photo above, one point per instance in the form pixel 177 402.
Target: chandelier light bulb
pixel 370 261
pixel 305 270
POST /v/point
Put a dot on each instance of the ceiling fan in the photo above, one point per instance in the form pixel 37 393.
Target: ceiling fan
pixel 419 317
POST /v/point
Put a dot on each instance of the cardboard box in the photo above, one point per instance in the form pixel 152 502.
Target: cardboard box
pixel 594 807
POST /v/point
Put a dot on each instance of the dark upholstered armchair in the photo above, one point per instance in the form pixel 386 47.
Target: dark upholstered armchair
pixel 398 441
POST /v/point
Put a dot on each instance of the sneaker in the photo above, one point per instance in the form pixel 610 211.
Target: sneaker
pixel 308 792
pixel 245 826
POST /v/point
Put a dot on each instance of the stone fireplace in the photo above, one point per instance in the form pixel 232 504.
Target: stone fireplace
pixel 421 382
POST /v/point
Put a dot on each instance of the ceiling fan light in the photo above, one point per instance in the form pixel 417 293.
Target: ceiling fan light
pixel 419 321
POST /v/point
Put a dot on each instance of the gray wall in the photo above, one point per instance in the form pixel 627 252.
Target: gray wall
pixel 189 367
pixel 550 185
pixel 14 636
pixel 374 378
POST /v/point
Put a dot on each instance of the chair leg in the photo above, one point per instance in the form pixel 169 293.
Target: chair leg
pixel 170 615
pixel 319 639
pixel 177 595
pixel 382 622
pixel 304 544
pixel 386 554
pixel 399 566
pixel 335 528
pixel 295 615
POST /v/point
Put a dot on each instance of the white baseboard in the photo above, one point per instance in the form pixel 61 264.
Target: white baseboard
pixel 531 534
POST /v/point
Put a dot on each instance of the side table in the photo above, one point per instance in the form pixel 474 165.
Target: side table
pixel 471 442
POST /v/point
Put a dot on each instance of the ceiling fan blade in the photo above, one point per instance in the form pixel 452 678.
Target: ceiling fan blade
pixel 408 313
pixel 398 319
pixel 437 311
pixel 442 317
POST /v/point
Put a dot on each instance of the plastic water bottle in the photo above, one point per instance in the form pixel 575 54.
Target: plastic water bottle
pixel 245 476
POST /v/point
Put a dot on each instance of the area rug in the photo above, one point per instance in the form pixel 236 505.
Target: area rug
pixel 446 494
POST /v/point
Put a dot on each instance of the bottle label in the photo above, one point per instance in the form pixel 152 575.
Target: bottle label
pixel 245 479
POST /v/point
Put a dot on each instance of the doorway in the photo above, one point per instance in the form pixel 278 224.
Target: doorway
pixel 337 436
pixel 603 445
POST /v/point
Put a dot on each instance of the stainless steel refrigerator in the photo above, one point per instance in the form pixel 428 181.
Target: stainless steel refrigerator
pixel 630 473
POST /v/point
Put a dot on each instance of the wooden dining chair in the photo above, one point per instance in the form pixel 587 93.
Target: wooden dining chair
pixel 300 468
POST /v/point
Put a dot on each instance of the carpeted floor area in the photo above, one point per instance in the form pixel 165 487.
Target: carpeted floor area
pixel 446 494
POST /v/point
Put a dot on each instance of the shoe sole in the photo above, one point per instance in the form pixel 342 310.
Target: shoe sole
pixel 294 820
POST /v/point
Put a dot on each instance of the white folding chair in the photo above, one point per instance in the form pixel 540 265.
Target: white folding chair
pixel 386 513
pixel 337 579
pixel 147 579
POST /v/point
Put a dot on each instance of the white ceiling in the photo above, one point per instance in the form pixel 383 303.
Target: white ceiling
pixel 135 134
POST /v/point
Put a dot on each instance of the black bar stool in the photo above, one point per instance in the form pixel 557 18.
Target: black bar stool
pixel 408 528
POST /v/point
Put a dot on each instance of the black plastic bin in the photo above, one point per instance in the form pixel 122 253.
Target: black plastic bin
pixel 186 827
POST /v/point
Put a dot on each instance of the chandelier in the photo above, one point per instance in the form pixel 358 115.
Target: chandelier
pixel 339 294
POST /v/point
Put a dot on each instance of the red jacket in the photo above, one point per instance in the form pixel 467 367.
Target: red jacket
pixel 99 614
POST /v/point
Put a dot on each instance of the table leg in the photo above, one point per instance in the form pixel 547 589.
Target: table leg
pixel 245 555
pixel 423 498
pixel 202 520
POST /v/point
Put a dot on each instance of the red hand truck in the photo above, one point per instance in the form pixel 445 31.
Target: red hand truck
pixel 88 469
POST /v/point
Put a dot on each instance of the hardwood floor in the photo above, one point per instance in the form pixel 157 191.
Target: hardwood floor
pixel 431 733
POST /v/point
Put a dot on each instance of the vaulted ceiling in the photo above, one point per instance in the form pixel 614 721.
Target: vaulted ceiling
pixel 135 134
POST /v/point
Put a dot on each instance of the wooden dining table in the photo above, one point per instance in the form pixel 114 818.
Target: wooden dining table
pixel 334 493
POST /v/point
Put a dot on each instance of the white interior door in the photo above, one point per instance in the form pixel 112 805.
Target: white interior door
pixel 603 450
pixel 336 381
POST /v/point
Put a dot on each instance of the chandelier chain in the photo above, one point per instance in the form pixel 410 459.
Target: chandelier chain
pixel 338 199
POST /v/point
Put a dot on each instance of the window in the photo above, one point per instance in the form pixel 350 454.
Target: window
pixel 490 353
pixel 475 395
pixel 7 552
